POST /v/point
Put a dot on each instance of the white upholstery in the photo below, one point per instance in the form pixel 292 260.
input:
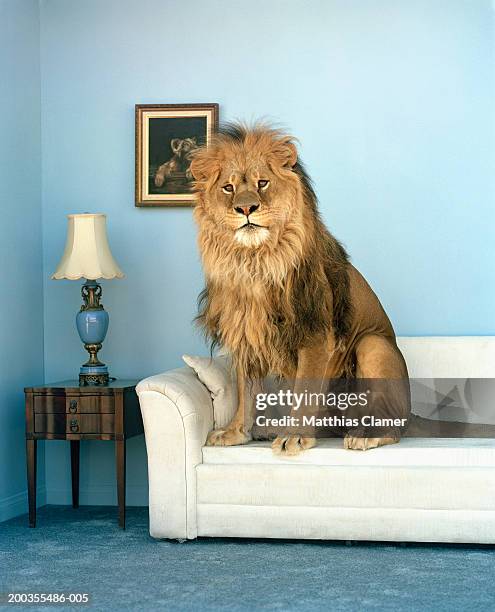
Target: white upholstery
pixel 381 524
pixel 440 490
pixel 412 452
pixel 449 356
pixel 177 416
pixel 330 486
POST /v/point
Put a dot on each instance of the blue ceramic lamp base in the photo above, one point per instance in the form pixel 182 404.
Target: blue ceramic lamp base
pixel 92 325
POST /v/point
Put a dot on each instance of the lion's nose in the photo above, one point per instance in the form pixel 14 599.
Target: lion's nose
pixel 246 210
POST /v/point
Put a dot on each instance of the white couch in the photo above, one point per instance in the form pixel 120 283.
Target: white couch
pixel 423 490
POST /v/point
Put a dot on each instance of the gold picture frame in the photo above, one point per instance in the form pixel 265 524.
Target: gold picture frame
pixel 166 136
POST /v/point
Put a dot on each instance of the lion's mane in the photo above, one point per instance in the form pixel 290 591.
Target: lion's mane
pixel 266 303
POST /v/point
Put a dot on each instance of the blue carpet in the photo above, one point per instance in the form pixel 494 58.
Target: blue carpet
pixel 84 551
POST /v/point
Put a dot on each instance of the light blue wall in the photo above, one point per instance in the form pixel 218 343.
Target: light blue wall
pixel 392 101
pixel 21 301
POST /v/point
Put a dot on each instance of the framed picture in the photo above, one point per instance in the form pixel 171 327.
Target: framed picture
pixel 166 137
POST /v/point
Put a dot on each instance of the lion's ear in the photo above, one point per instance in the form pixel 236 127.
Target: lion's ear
pixel 204 167
pixel 284 153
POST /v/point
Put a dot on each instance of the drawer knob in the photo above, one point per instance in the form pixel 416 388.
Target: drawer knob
pixel 74 426
pixel 73 406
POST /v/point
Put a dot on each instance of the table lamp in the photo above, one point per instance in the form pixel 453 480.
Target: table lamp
pixel 87 255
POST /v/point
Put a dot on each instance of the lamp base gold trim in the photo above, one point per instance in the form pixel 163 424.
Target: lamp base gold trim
pixel 93 379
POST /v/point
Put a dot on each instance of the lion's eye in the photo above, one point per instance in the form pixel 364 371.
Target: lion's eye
pixel 228 188
pixel 263 184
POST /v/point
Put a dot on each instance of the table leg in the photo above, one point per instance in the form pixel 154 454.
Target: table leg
pixel 31 447
pixel 74 465
pixel 120 465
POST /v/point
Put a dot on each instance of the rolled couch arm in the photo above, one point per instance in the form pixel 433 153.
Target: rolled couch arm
pixel 177 414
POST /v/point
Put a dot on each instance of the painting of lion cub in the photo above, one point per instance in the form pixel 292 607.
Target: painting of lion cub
pixel 281 295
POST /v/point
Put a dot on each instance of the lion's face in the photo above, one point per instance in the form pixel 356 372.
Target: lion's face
pixel 248 186
pixel 182 147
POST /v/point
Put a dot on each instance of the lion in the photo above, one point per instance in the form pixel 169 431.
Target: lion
pixel 182 148
pixel 281 294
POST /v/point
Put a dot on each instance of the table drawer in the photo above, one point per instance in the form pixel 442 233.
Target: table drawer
pixel 49 423
pixel 61 423
pixel 73 405
pixel 89 403
pixel 90 423
pixel 49 403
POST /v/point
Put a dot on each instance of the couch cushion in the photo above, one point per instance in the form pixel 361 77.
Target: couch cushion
pixel 421 487
pixel 417 473
pixel 448 452
pixel 217 376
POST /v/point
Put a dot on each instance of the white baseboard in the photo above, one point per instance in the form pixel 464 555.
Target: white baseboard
pixel 98 495
pixel 17 504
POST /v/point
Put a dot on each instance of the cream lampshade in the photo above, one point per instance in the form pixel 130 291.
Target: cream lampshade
pixel 87 255
pixel 87 252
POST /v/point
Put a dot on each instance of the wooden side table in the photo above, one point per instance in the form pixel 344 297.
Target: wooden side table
pixel 66 411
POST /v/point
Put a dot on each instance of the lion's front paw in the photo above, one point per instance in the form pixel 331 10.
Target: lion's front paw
pixel 354 443
pixel 292 445
pixel 227 437
pixel 159 179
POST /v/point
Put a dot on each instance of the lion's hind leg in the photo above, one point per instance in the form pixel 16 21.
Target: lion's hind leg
pixel 378 357
pixel 356 443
